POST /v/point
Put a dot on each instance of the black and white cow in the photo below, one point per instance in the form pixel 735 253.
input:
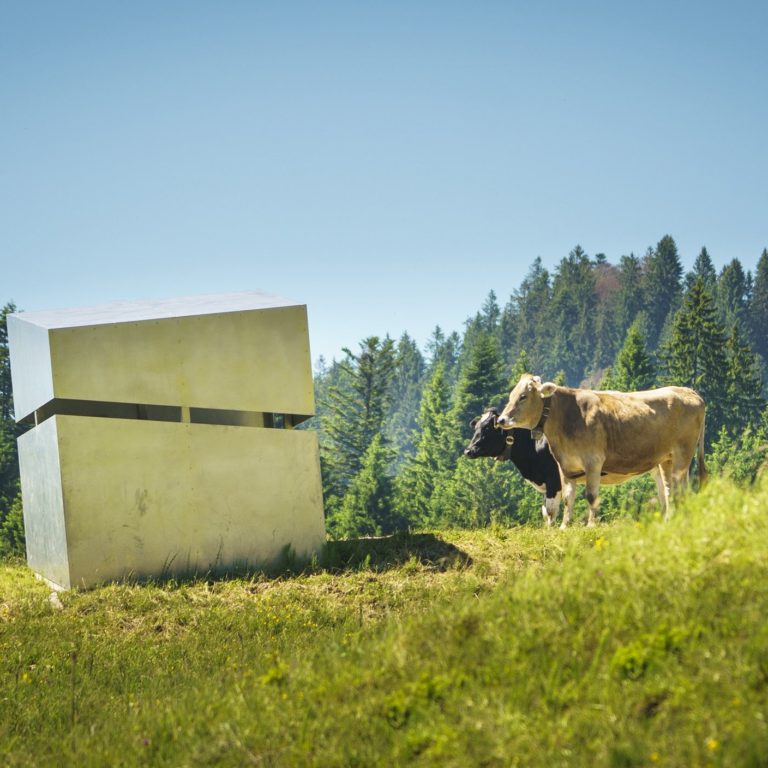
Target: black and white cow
pixel 531 457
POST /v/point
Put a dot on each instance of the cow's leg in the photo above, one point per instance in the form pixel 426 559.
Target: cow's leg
pixel 679 479
pixel 665 471
pixel 662 490
pixel 545 511
pixel 569 493
pixel 681 463
pixel 550 508
pixel 593 495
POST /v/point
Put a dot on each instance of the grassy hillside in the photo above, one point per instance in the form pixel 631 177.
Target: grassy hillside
pixel 635 643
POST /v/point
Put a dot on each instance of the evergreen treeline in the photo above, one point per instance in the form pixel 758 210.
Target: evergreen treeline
pixel 11 525
pixel 393 420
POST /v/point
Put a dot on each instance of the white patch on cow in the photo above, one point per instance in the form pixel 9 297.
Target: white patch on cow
pixel 552 507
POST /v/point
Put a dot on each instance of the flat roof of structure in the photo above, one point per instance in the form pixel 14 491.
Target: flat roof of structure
pixel 155 309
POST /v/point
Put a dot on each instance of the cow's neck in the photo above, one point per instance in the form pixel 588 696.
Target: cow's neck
pixel 553 414
pixel 538 431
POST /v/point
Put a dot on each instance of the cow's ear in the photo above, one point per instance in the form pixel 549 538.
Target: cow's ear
pixel 474 421
pixel 537 379
pixel 547 389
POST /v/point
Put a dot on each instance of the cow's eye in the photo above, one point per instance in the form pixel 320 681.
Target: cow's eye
pixel 522 397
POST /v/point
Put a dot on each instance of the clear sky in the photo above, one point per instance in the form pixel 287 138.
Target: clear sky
pixel 388 163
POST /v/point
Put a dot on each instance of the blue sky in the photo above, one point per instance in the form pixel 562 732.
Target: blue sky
pixel 386 163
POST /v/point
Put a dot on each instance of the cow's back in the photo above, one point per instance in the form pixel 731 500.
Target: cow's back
pixel 632 432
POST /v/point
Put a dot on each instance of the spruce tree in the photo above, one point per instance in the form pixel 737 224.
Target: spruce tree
pixel 355 409
pixel 607 336
pixel 481 382
pixel 490 313
pixel 367 508
pixel 733 294
pixel 405 394
pixel 758 307
pixel 484 323
pixel 478 492
pixel 530 317
pixel 444 349
pixel 573 315
pixel 704 268
pixel 630 300
pixel 436 453
pixel 12 539
pixel 6 389
pixel 473 331
pixel 481 492
pixel 634 369
pixel 695 355
pixel 507 333
pixel 745 403
pixel 520 367
pixel 663 273
pixel 9 431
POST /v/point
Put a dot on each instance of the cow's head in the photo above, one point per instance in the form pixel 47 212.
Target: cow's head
pixel 488 439
pixel 526 403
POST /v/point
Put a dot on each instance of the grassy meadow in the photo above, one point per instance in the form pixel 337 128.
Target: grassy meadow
pixel 636 643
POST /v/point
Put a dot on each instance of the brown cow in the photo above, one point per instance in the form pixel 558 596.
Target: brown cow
pixel 609 437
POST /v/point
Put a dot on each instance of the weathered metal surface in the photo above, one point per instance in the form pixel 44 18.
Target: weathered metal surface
pixel 154 452
pixel 248 352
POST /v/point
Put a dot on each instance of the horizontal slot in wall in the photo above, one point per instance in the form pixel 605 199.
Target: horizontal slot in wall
pixel 171 413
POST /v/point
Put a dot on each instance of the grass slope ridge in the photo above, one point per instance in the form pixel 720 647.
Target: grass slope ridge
pixel 635 643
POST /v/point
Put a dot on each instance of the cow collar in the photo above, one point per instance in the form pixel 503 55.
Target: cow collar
pixel 506 454
pixel 538 431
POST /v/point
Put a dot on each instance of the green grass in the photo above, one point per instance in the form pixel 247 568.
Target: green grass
pixel 634 643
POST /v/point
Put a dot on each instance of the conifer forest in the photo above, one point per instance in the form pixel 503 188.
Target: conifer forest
pixel 393 419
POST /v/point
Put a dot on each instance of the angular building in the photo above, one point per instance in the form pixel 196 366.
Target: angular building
pixel 162 440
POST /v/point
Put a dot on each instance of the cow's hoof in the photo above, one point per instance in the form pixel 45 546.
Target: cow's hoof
pixel 563 526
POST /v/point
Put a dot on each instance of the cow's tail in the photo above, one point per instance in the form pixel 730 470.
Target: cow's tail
pixel 703 474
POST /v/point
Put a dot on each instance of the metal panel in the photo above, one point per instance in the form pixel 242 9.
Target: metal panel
pixel 158 498
pixel 31 374
pixel 246 352
pixel 247 361
pixel 41 493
